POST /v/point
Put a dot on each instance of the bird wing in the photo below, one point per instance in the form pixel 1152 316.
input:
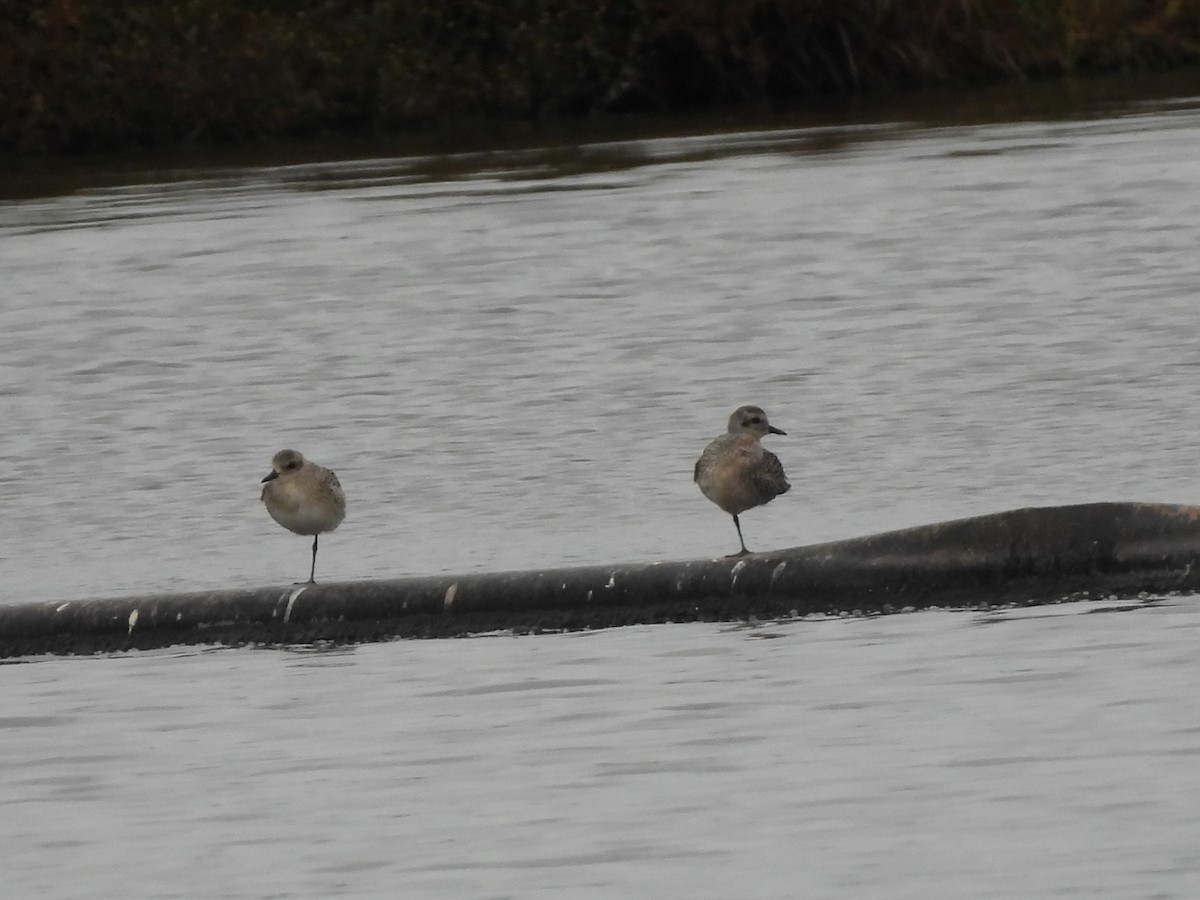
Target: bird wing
pixel 769 475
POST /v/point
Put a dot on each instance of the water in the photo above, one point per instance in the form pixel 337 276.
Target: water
pixel 512 360
pixel 1045 754
pixel 516 367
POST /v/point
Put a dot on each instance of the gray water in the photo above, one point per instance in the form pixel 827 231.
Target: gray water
pixel 517 366
pixel 927 755
pixel 512 360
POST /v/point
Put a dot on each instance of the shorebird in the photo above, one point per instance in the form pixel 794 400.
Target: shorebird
pixel 304 498
pixel 736 472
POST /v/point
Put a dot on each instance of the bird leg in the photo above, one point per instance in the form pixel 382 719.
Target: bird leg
pixel 738 526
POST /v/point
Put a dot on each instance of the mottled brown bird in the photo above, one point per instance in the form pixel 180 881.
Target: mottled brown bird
pixel 736 472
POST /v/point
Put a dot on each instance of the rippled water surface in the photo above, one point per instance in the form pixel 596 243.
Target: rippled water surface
pixel 512 360
pixel 518 365
pixel 1043 754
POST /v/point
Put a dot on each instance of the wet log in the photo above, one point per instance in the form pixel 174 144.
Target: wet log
pixel 1024 556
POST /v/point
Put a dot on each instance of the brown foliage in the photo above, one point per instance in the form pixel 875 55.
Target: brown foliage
pixel 86 74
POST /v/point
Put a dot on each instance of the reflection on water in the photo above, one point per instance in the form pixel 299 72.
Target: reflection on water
pixel 1046 755
pixel 512 360
pixel 517 366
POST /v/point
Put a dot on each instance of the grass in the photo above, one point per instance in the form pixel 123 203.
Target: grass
pixel 88 75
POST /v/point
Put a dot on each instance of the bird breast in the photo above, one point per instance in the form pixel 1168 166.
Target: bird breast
pixel 726 473
pixel 304 507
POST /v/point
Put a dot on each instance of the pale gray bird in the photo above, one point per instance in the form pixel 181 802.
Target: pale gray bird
pixel 736 472
pixel 304 498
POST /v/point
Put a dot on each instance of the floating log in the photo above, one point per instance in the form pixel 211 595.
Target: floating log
pixel 1024 556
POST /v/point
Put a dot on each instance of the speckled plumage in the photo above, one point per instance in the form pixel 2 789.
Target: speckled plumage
pixel 303 497
pixel 736 472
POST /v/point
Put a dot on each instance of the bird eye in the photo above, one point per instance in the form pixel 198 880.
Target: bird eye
pixel 292 465
pixel 755 421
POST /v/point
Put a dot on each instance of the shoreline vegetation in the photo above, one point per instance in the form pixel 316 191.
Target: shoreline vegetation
pixel 94 76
